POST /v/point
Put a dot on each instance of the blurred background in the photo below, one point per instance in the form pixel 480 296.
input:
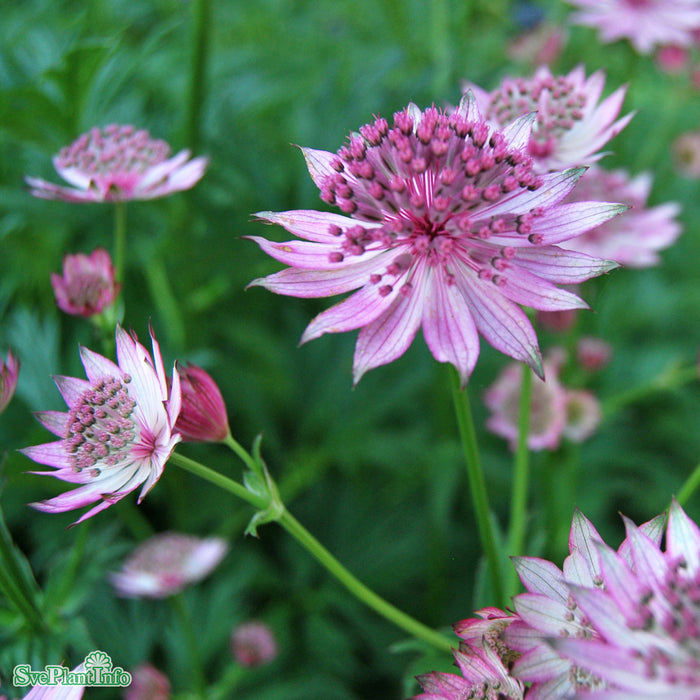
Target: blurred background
pixel 374 471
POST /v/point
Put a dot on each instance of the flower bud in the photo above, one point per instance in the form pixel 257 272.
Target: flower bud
pixel 253 644
pixel 203 414
pixel 9 374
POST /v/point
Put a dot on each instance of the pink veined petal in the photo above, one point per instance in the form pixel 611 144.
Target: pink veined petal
pixel 71 388
pixel 620 582
pixel 603 612
pixel 157 364
pixel 649 563
pixel 468 107
pixel 549 616
pixel 518 133
pixel 55 421
pixel 319 164
pixel 683 538
pixel 389 335
pixel 577 569
pixel 560 265
pixel 500 321
pixel 182 179
pixel 96 366
pixel 540 665
pixel 541 576
pixel 583 537
pixel 527 289
pixel 448 326
pixel 175 401
pixel 157 173
pixel 359 309
pixel 52 454
pixel 570 220
pixel 309 224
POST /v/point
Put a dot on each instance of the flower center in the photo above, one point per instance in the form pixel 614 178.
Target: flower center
pixel 100 427
pixel 114 149
pixel 556 100
pixel 86 290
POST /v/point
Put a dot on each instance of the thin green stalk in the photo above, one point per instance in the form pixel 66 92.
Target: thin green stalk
pixel 477 483
pixel 688 488
pixel 201 12
pixel 240 452
pixel 119 239
pixel 194 657
pixel 521 476
pixel 321 554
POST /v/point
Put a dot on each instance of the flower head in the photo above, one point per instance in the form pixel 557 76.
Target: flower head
pixel 118 432
pixel 634 238
pixel 9 375
pixel 203 415
pixel 646 23
pixel 147 683
pixel 118 164
pixel 448 228
pixel 253 644
pixel 166 563
pixel 87 285
pixel 571 126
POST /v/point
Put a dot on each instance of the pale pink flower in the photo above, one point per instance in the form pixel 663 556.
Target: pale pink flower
pixel 449 229
pixel 686 152
pixel 634 238
pixel 646 23
pixel 645 614
pixel 672 58
pixel 87 285
pixel 583 415
pixel 571 125
pixel 118 164
pixel 203 414
pixel 547 407
pixel 253 644
pixel 166 563
pixel 147 683
pixel 118 432
pixel 9 376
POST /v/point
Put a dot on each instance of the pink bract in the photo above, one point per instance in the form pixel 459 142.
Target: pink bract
pixel 9 376
pixel 118 432
pixel 118 164
pixel 87 285
pixel 445 227
pixel 571 125
pixel 634 238
pixel 166 563
pixel 646 23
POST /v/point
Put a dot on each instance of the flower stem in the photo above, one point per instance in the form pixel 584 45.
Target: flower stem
pixel 521 475
pixel 688 488
pixel 200 39
pixel 231 442
pixel 194 657
pixel 477 483
pixel 119 239
pixel 321 554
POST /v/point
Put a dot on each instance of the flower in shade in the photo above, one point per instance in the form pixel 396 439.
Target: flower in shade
pixel 571 125
pixel 447 227
pixel 203 414
pixel 253 644
pixel 646 23
pixel 634 238
pixel 686 153
pixel 147 683
pixel 118 432
pixel 116 164
pixel 166 563
pixel 87 285
pixel 9 375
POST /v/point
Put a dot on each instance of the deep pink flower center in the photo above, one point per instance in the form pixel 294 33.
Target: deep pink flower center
pixel 558 102
pixel 423 187
pixel 100 428
pixel 640 3
pixel 114 150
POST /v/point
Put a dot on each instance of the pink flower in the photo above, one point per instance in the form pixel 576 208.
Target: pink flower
pixel 634 238
pixel 571 126
pixel 672 58
pixel 646 23
pixel 253 644
pixel 166 563
pixel 9 375
pixel 593 354
pixel 583 415
pixel 447 228
pixel 58 692
pixel 118 432
pixel 539 46
pixel 203 415
pixel 686 152
pixel 148 683
pixel 118 164
pixel 87 285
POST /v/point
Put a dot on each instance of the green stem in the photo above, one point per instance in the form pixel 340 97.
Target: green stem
pixel 477 483
pixel 200 40
pixel 521 476
pixel 119 239
pixel 194 657
pixel 240 452
pixel 321 554
pixel 688 488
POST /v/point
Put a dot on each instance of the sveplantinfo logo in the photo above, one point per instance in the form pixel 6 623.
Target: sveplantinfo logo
pixel 96 670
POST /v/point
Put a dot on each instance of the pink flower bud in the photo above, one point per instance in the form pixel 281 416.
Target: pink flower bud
pixel 253 644
pixel 9 374
pixel 203 414
pixel 593 353
pixel 672 58
pixel 147 683
pixel 87 285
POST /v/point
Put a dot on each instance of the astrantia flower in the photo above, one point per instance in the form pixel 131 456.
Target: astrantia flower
pixel 686 153
pixel 9 375
pixel 118 432
pixel 203 414
pixel 253 644
pixel 87 285
pixel 166 563
pixel 634 238
pixel 147 683
pixel 583 414
pixel 646 23
pixel 448 230
pixel 118 164
pixel 571 126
